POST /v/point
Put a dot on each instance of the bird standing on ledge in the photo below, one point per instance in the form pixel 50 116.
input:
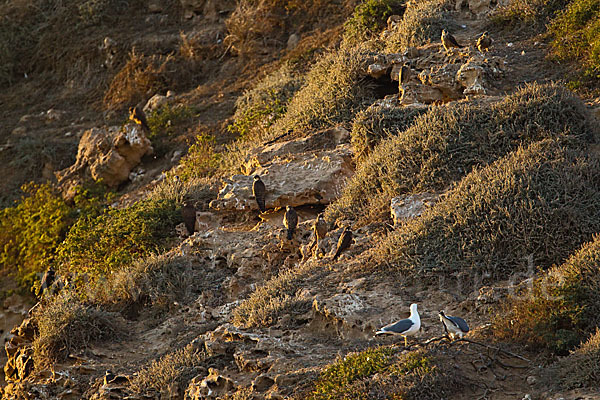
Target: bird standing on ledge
pixel 449 41
pixel 260 193
pixel 484 42
pixel 454 326
pixel 290 220
pixel 344 242
pixel 404 327
pixel 138 116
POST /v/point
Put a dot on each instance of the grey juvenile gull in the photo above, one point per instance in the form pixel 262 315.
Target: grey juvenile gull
pixel 404 327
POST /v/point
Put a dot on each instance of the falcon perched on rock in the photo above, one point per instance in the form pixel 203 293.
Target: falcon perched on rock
pixel 484 42
pixel 344 242
pixel 137 115
pixel 290 221
pixel 47 281
pixel 188 212
pixel 449 41
pixel 320 227
pixel 260 193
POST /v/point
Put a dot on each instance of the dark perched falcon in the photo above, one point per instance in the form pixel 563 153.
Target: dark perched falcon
pixel 320 227
pixel 188 212
pixel 137 115
pixel 290 221
pixel 404 74
pixel 449 41
pixel 344 242
pixel 454 326
pixel 47 281
pixel 484 42
pixel 260 193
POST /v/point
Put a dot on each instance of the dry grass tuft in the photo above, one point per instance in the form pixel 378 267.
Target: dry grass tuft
pixel 171 373
pixel 278 296
pixel 421 23
pixel 541 202
pixel 446 143
pixel 66 325
pixel 561 308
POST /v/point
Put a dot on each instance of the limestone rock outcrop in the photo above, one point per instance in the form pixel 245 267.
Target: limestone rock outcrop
pixel 311 170
pixel 108 154
pixel 410 206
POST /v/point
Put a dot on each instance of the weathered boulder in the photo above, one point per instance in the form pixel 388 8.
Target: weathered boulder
pixel 212 386
pixel 343 315
pixel 410 206
pixel 479 7
pixel 155 102
pixel 293 174
pixel 470 76
pixel 108 154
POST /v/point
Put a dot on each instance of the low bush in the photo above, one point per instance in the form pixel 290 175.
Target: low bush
pixel 385 373
pixel 526 14
pixel 65 325
pixel 172 372
pixel 370 17
pixel 446 143
pixel 377 123
pixel 561 308
pixel 421 23
pixel 581 369
pixel 576 32
pixel 97 246
pixel 541 202
pixel 31 231
pixel 163 120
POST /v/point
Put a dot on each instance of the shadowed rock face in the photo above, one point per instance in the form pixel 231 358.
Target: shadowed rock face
pixel 107 153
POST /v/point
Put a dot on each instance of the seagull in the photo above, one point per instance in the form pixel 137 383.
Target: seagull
pixel 484 42
pixel 454 326
pixel 259 192
pixel 138 116
pixel 404 327
pixel 344 242
pixel 290 220
pixel 449 41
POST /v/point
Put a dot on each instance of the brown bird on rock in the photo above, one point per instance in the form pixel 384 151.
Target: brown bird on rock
pixel 188 212
pixel 47 281
pixel 449 41
pixel 344 242
pixel 260 193
pixel 137 115
pixel 290 221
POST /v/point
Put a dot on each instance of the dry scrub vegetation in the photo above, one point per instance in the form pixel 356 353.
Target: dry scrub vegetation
pixel 447 142
pixel 542 201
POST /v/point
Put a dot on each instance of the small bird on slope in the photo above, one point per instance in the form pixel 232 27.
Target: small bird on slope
pixel 454 326
pixel 260 193
pixel 344 242
pixel 138 116
pixel 47 281
pixel 448 41
pixel 188 212
pixel 290 220
pixel 484 42
pixel 404 327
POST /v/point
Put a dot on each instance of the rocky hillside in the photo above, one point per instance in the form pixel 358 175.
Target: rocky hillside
pixel 138 261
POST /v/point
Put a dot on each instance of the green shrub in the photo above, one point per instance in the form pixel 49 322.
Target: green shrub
pixel 65 325
pixel 446 143
pixel 163 120
pixel 176 368
pixel 540 202
pixel 581 369
pixel 377 123
pixel 576 33
pixel 421 23
pixel 562 307
pixel 385 373
pixel 98 246
pixel 370 17
pixel 31 231
pixel 335 381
